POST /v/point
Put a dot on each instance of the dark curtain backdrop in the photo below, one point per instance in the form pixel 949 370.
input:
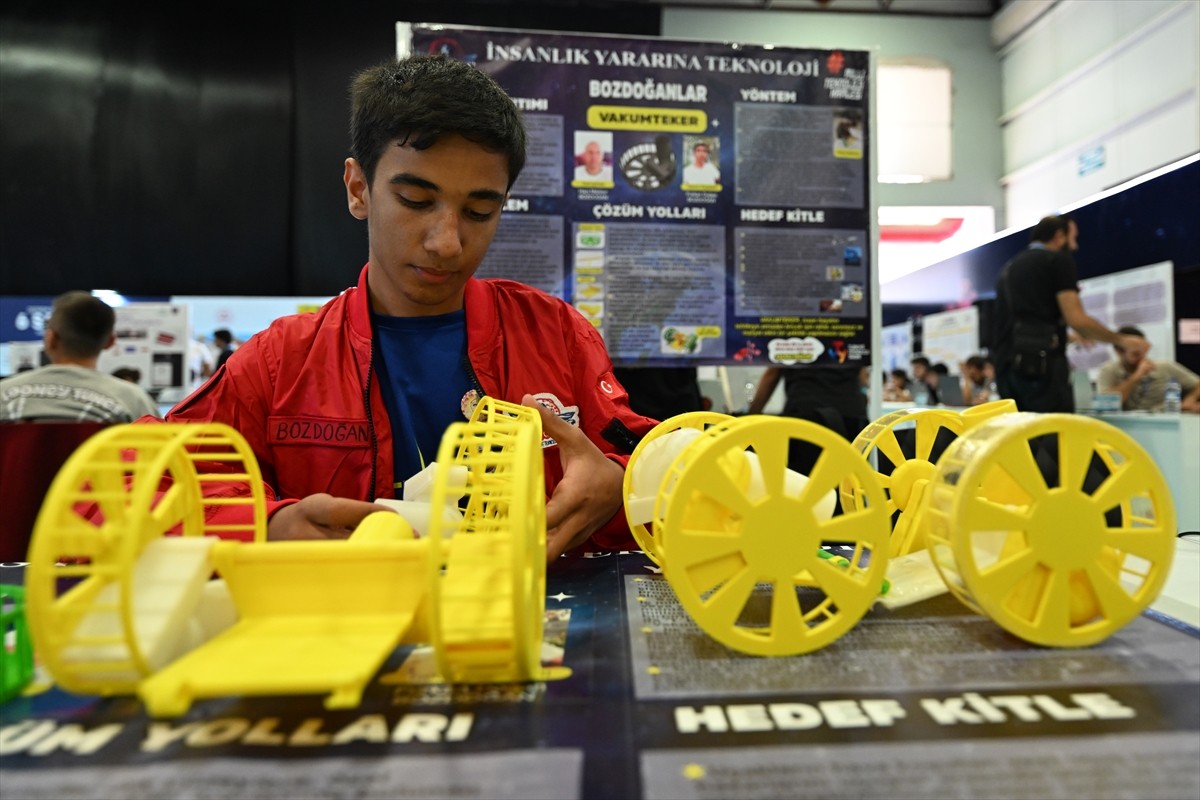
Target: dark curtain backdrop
pixel 166 149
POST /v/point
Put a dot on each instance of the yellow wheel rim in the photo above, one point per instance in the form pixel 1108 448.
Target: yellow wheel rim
pixel 487 607
pixel 911 461
pixel 743 559
pixel 1045 545
pixel 146 481
pixel 643 533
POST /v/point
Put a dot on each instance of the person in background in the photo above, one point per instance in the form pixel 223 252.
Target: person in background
pixel 661 392
pixel 973 377
pixel 829 396
pixel 128 374
pixel 201 361
pixel 223 342
pixel 1141 382
pixel 70 387
pixel 923 373
pixel 345 404
pixel 896 388
pixel 1040 285
pixel 933 378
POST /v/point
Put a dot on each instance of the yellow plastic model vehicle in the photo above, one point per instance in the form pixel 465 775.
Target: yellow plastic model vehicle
pixel 1058 527
pixel 1060 550
pixel 739 536
pixel 115 606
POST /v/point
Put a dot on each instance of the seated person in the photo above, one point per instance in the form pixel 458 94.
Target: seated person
pixel 70 387
pixel 974 380
pixel 1141 382
pixel 924 381
pixel 896 388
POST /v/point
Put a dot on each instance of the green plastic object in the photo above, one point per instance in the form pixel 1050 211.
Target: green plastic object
pixel 16 653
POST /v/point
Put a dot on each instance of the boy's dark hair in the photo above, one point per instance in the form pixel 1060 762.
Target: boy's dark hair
pixel 1131 330
pixel 222 336
pixel 901 374
pixel 940 368
pixel 419 99
pixel 84 323
pixel 977 362
pixel 922 360
pixel 1048 227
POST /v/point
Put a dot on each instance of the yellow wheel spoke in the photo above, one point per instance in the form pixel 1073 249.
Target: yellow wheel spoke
pixel 718 486
pixel 985 515
pixel 838 586
pixel 890 447
pixel 849 527
pixel 1147 543
pixel 826 474
pixel 1055 609
pixel 726 603
pixel 786 619
pixel 1113 598
pixel 1002 577
pixel 706 574
pixel 165 509
pixel 112 493
pixel 693 547
pixel 926 433
pixel 1125 482
pixel 886 482
pixel 1016 459
pixel 1074 457
pixel 772 458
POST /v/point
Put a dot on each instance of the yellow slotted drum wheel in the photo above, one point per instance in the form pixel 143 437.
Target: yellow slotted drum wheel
pixel 487 608
pixel 740 539
pixel 1058 527
pixel 911 460
pixel 145 481
pixel 643 533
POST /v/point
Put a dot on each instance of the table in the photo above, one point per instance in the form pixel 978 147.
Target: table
pixel 1173 442
pixel 927 701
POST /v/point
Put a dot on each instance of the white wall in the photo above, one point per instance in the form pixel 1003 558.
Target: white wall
pixel 1112 82
pixel 962 44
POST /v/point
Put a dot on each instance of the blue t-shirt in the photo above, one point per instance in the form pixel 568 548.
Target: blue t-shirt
pixel 423 373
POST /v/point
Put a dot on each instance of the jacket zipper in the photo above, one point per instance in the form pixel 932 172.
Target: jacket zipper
pixel 371 420
pixel 474 378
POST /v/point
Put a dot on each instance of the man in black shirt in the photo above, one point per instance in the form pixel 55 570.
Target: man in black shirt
pixel 1039 285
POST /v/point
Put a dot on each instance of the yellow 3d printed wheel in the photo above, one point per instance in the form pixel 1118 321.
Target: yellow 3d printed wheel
pixel 488 606
pixel 98 622
pixel 1058 527
pixel 903 447
pixel 647 465
pixel 741 536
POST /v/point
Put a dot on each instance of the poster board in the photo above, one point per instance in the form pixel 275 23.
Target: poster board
pixel 726 214
pixel 951 336
pixel 153 339
pixel 1144 297
pixel 897 347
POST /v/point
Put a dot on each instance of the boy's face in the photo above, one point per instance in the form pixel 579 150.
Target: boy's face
pixel 431 215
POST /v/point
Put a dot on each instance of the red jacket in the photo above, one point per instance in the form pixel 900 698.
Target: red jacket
pixel 304 395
